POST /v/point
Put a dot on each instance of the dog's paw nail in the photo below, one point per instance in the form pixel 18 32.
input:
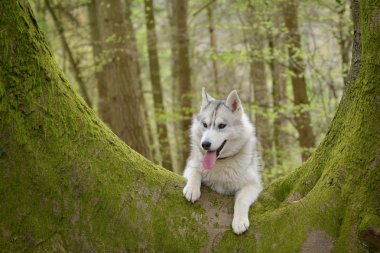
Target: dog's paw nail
pixel 240 225
pixel 191 193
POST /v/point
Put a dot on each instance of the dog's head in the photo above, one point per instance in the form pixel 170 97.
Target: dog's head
pixel 219 127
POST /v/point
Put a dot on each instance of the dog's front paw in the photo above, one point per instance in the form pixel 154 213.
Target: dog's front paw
pixel 240 224
pixel 191 193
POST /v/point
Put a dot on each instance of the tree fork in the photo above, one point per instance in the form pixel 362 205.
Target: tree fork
pixel 69 184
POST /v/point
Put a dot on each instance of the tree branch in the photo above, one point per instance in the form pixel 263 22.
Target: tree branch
pixel 203 7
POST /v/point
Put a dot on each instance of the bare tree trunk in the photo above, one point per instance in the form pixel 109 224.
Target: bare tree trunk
pixel 174 95
pixel 96 41
pixel 173 50
pixel 184 74
pixel 306 136
pixel 122 74
pixel 155 77
pixel 278 96
pixel 256 42
pixel 262 123
pixel 73 62
pixel 344 36
pixel 132 45
pixel 213 46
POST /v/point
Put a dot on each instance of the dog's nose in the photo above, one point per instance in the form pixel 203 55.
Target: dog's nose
pixel 206 145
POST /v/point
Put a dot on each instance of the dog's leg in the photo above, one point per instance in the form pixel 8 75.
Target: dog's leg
pixel 192 190
pixel 243 200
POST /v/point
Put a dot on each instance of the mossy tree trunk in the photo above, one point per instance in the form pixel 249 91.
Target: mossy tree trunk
pixel 68 184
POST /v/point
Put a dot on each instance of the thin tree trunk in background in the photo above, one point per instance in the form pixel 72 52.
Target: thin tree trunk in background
pixel 184 74
pixel 296 66
pixel 173 51
pixel 96 42
pixel 124 95
pixel 74 65
pixel 262 122
pixel 278 96
pixel 213 47
pixel 155 77
pixel 176 125
pixel 132 49
pixel 344 37
pixel 258 81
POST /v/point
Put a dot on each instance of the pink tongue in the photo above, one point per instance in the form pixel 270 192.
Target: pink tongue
pixel 209 160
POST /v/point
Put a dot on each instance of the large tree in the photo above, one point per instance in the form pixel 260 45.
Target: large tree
pixel 68 184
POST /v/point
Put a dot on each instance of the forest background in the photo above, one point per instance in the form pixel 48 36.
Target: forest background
pixel 141 66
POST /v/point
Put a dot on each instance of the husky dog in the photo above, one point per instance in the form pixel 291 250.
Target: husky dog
pixel 224 156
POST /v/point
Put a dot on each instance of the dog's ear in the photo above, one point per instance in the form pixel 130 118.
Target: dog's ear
pixel 233 102
pixel 206 98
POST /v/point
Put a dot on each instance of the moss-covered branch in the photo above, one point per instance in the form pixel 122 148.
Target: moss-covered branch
pixel 68 184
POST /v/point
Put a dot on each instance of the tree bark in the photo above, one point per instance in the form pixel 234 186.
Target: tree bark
pixel 155 77
pixel 132 48
pixel 256 42
pixel 306 136
pixel 213 47
pixel 124 96
pixel 262 123
pixel 176 125
pixel 278 94
pixel 96 41
pixel 68 184
pixel 184 75
pixel 344 36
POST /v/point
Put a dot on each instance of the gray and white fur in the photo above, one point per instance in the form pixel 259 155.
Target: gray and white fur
pixel 223 126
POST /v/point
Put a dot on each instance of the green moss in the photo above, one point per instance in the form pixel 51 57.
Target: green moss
pixel 369 221
pixel 68 181
pixel 281 192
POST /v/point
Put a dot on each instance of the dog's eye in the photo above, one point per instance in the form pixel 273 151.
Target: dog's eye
pixel 221 126
pixel 204 124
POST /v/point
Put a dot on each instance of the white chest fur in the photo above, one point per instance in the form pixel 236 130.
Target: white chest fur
pixel 227 177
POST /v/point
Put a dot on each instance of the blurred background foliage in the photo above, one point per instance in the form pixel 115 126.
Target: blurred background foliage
pixel 141 64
